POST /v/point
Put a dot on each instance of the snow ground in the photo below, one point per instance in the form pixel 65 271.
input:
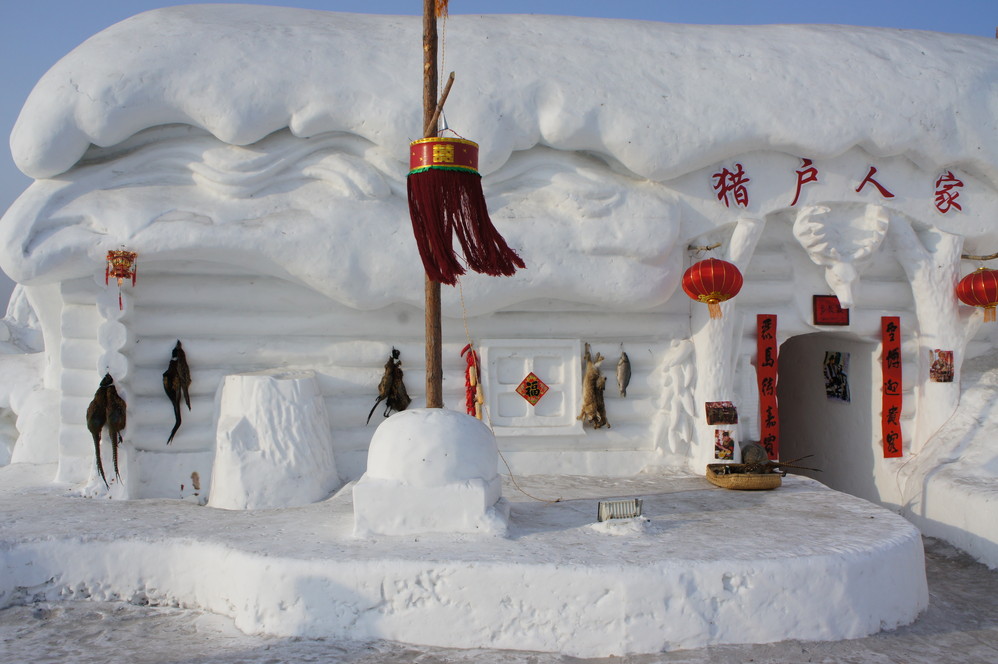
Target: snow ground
pixel 959 627
pixel 703 566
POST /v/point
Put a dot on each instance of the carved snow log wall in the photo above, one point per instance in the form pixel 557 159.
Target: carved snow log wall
pixel 231 321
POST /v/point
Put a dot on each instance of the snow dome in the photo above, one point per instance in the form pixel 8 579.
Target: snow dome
pixel 430 470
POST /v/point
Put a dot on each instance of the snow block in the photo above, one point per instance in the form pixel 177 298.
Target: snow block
pixel 430 471
pixel 273 448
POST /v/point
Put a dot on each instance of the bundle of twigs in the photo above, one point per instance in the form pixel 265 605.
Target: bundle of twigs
pixel 766 467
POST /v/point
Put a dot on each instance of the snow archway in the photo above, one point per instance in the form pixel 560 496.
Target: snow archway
pixel 842 436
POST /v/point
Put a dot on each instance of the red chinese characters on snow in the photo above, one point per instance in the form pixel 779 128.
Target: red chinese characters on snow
pixel 731 183
pixel 729 186
pixel 766 370
pixel 947 191
pixel 890 422
pixel 806 174
pixel 869 180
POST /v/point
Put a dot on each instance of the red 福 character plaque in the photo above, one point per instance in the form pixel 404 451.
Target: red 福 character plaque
pixel 532 388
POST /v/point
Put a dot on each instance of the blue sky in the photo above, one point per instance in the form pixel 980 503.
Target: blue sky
pixel 34 34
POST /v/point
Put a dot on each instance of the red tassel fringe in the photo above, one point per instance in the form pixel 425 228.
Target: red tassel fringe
pixel 445 203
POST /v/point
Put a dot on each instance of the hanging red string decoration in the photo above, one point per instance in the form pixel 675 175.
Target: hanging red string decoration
pixel 980 289
pixel 712 281
pixel 474 397
pixel 121 266
pixel 445 198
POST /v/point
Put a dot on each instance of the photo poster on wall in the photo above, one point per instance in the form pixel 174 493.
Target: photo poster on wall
pixel 767 366
pixel 941 366
pixel 721 412
pixel 836 371
pixel 890 417
pixel 724 445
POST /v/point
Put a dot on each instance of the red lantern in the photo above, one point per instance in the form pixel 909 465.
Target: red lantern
pixel 980 289
pixel 121 266
pixel 712 281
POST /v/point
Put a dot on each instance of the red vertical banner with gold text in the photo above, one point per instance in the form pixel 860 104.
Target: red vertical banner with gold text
pixel 890 328
pixel 766 367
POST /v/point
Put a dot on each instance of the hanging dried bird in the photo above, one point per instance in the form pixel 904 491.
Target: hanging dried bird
pixel 623 372
pixel 115 422
pixel 176 383
pixel 391 389
pixel 593 384
pixel 97 418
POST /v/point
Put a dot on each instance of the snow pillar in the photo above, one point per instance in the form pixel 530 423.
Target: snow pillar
pixel 715 344
pixel 931 260
pixel 273 447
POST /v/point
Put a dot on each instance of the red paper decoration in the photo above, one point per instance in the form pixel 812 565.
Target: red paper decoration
pixel 980 289
pixel 890 417
pixel 532 388
pixel 767 372
pixel 121 266
pixel 712 281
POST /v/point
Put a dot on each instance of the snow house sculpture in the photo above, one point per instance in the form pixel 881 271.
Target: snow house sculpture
pixel 843 171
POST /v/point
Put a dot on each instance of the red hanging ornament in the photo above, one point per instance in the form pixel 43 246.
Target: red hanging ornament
pixel 121 266
pixel 980 289
pixel 712 281
pixel 474 397
pixel 445 198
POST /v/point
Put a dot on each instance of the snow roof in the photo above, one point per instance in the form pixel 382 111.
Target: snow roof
pixel 661 99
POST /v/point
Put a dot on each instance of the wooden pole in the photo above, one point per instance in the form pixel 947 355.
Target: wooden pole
pixel 434 355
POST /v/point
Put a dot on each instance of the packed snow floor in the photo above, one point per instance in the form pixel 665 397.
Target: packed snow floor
pixel 704 566
pixel 959 627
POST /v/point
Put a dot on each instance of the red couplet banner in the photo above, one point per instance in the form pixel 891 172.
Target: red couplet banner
pixel 890 327
pixel 766 368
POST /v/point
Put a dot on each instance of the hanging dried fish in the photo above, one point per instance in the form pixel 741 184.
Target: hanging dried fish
pixel 391 389
pixel 177 383
pixel 97 418
pixel 623 372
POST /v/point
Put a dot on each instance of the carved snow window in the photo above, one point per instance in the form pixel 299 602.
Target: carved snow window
pixel 557 362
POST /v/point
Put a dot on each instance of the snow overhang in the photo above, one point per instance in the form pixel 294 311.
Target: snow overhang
pixel 660 99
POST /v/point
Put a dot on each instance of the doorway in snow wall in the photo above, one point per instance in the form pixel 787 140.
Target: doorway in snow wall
pixel 816 420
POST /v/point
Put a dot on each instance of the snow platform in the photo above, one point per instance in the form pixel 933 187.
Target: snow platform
pixel 703 566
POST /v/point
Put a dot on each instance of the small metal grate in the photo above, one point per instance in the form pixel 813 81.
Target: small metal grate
pixel 619 509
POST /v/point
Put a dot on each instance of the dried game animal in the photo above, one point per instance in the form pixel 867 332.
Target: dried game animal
pixel 176 383
pixel 391 389
pixel 116 408
pixel 97 418
pixel 593 383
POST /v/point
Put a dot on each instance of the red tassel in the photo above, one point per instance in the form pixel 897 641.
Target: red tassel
pixel 445 198
pixel 447 202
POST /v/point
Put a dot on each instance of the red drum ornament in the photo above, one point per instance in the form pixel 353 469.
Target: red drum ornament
pixel 980 289
pixel 445 198
pixel 712 281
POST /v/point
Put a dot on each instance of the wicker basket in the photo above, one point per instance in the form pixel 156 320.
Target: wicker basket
pixel 739 480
